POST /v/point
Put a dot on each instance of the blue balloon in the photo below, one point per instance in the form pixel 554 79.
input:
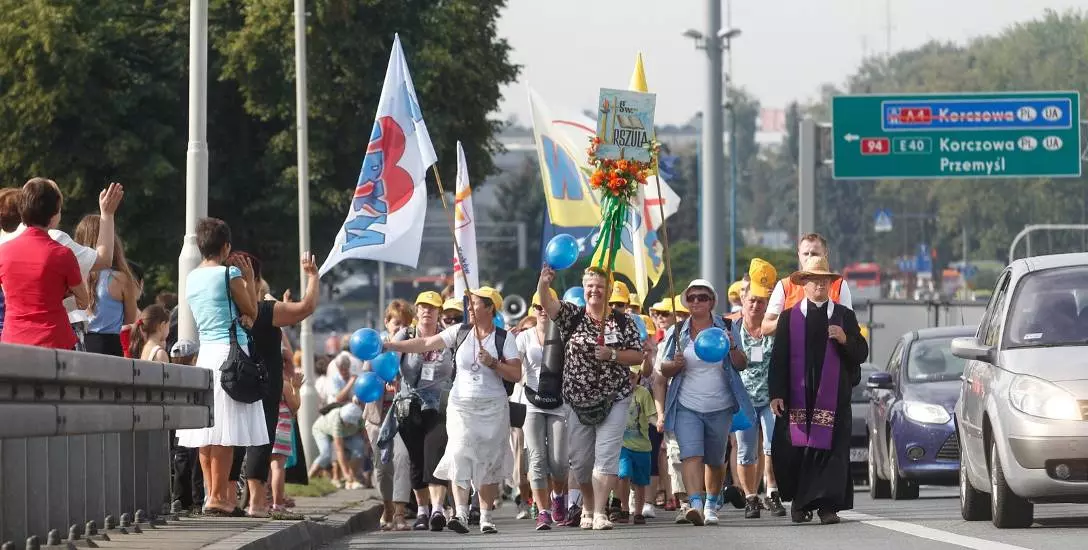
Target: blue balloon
pixel 711 345
pixel 365 344
pixel 499 321
pixel 740 422
pixel 642 332
pixel 369 387
pixel 561 252
pixel 575 294
pixel 386 366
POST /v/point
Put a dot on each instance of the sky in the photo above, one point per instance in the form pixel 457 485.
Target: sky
pixel 569 49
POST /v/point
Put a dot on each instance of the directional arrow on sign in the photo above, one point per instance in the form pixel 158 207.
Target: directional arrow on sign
pixel 851 137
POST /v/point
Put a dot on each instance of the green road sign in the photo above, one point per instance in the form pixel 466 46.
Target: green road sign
pixel 992 135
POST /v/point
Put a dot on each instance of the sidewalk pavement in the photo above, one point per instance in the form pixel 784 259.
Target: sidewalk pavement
pixel 327 518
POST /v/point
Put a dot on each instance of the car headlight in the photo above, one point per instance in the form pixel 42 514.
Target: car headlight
pixel 926 413
pixel 1037 397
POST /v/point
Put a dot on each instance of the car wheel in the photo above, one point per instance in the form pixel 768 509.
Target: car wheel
pixel 974 504
pixel 902 489
pixel 1009 511
pixel 878 488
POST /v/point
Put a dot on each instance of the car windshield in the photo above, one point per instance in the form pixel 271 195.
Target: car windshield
pixel 931 360
pixel 1050 308
pixel 861 392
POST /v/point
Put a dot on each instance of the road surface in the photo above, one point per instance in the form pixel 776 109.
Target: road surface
pixel 931 523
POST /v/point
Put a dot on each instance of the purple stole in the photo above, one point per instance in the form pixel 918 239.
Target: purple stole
pixel 813 431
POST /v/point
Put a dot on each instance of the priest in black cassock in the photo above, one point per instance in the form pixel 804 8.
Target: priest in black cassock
pixel 817 356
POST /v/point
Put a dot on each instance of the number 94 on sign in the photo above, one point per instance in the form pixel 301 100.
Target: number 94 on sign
pixel 912 146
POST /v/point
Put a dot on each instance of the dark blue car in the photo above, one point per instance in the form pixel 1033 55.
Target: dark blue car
pixel 912 439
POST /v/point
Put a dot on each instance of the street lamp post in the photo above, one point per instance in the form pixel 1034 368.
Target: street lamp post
pixel 714 42
pixel 309 407
pixel 727 36
pixel 196 160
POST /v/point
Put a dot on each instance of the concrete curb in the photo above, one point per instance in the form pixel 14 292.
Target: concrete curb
pixel 309 534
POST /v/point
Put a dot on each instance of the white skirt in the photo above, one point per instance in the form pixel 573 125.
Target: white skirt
pixel 478 447
pixel 235 424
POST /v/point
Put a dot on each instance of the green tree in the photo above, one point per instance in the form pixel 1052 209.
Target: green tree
pixel 93 92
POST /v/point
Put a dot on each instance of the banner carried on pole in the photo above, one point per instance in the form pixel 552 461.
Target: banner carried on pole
pixel 464 220
pixel 386 216
pixel 574 207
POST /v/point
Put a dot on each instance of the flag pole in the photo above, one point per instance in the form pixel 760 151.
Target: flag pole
pixel 453 233
pixel 665 245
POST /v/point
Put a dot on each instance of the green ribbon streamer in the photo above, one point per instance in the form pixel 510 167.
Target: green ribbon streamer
pixel 613 218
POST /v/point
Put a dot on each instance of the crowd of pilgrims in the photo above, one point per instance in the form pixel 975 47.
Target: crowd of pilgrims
pixel 597 413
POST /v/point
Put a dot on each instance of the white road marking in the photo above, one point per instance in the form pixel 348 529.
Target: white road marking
pixel 929 533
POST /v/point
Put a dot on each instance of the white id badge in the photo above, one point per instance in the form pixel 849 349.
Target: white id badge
pixel 610 337
pixel 427 374
pixel 755 354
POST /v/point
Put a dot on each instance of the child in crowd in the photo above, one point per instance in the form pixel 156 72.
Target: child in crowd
pixel 635 454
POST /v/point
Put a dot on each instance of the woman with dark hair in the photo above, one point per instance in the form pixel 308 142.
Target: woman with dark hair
pixel 113 293
pixel 218 295
pixel 266 338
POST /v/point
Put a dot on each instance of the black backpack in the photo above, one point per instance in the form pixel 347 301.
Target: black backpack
pixel 242 375
pixel 549 390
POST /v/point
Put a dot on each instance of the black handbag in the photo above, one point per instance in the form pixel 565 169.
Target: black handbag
pixel 244 378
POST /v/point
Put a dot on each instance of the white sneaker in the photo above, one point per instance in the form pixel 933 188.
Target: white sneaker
pixel 648 511
pixel 488 528
pixel 523 512
pixel 710 515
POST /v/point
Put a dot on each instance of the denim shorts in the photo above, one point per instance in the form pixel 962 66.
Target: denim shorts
pixel 703 434
pixel 355 446
pixel 748 440
pixel 635 466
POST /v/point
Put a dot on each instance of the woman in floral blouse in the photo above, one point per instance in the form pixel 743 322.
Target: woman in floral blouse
pixel 600 348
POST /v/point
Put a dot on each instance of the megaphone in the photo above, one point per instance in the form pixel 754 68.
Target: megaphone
pixel 514 309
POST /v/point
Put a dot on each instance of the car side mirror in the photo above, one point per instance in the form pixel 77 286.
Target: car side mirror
pixel 971 349
pixel 880 381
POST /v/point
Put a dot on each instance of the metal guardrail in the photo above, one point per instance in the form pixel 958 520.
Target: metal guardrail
pixel 86 438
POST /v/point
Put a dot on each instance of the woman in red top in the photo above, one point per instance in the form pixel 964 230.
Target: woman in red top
pixel 37 273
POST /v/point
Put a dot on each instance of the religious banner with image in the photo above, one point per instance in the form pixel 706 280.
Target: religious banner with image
pixel 625 124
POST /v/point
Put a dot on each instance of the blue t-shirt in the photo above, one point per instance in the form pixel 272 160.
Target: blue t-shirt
pixel 209 299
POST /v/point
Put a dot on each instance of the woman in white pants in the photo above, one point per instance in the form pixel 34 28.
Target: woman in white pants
pixel 600 346
pixel 545 429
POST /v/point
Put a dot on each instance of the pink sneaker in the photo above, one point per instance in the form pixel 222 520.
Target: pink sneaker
pixel 559 509
pixel 543 521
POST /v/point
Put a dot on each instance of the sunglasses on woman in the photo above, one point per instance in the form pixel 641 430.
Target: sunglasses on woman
pixel 451 320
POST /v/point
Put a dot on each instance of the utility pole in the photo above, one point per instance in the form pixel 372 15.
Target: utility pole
pixel 309 408
pixel 732 150
pixel 806 177
pixel 196 160
pixel 711 230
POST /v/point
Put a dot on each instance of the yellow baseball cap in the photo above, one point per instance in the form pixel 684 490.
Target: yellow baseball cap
pixel 734 290
pixel 635 300
pixel 651 328
pixel 430 298
pixel 763 276
pixel 678 304
pixel 453 303
pixel 491 294
pixel 664 306
pixel 620 294
pixel 536 296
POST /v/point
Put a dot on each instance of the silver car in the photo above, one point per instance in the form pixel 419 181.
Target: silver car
pixel 1024 397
